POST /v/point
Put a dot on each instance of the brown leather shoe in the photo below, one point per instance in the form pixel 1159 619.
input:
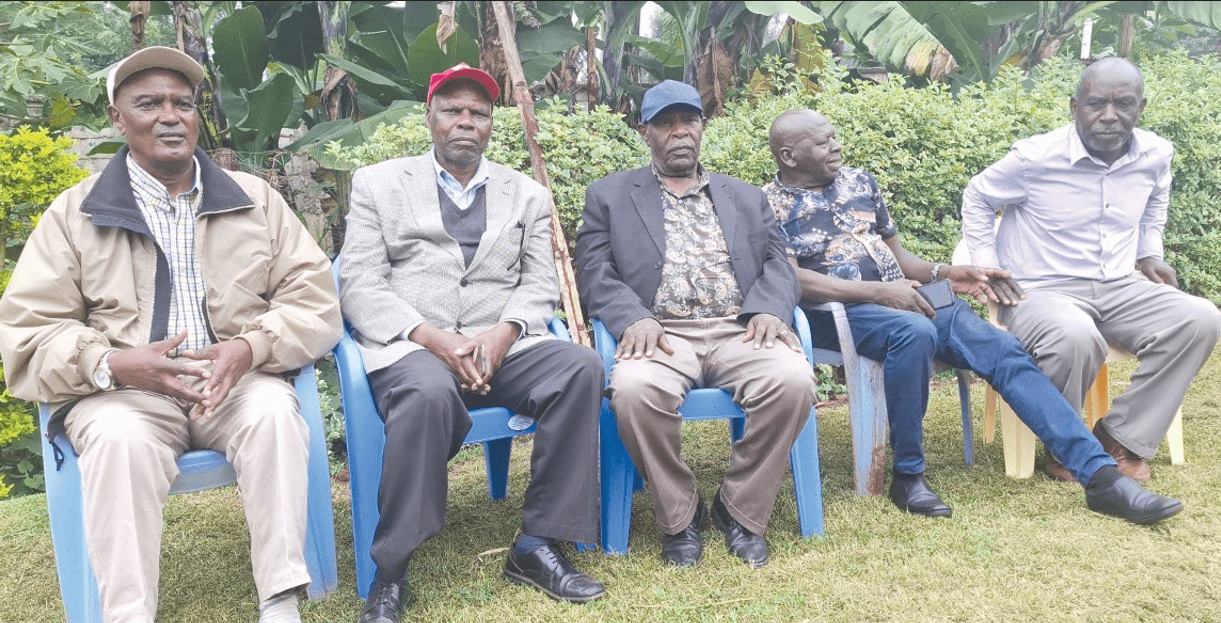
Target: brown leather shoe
pixel 1057 471
pixel 1132 465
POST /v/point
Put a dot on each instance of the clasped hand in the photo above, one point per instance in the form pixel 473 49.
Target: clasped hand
pixel 150 368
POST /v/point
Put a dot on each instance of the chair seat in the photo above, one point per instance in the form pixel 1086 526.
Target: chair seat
pixel 199 470
pixel 620 478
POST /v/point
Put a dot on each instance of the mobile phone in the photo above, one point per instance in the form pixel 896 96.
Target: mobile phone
pixel 938 293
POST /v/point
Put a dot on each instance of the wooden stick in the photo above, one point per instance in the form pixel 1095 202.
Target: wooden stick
pixel 569 298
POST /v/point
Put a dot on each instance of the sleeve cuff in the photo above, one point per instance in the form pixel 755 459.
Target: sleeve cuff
pixel 260 347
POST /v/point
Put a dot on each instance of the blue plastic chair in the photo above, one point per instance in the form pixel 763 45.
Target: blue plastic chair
pixel 620 478
pixel 199 470
pixel 867 405
pixel 367 441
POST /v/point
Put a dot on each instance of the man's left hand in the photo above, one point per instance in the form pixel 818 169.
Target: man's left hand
pixel 764 329
pixel 1158 271
pixel 496 342
pixel 987 285
pixel 230 360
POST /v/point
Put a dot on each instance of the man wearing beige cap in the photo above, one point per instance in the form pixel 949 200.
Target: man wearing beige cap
pixel 448 283
pixel 161 306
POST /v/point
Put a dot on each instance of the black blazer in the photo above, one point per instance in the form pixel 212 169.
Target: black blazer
pixel 621 245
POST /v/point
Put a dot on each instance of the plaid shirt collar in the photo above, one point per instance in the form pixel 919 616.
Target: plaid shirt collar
pixel 149 191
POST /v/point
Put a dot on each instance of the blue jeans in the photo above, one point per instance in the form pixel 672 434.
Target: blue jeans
pixel 907 343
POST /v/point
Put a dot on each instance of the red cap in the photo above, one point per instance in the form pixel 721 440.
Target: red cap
pixel 462 70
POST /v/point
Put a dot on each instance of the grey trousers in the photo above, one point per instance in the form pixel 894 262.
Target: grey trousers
pixel 774 386
pixel 1066 327
pixel 128 441
pixel 426 420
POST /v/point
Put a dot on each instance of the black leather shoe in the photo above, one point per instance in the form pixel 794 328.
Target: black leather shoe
pixel 751 548
pixel 387 601
pixel 686 548
pixel 911 493
pixel 1124 498
pixel 548 570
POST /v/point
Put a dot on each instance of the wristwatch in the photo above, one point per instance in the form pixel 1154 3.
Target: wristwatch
pixel 932 274
pixel 103 378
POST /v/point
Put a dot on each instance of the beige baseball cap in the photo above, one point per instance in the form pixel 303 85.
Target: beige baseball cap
pixel 153 57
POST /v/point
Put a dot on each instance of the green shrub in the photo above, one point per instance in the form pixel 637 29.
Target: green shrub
pixel 34 168
pixel 922 145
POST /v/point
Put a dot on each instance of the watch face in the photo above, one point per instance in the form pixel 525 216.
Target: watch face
pixel 101 379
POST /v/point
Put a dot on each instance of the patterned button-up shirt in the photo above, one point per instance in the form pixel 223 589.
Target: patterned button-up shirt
pixel 841 230
pixel 697 278
pixel 172 221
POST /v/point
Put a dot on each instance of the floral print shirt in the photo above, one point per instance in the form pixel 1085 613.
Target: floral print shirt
pixel 839 231
pixel 697 278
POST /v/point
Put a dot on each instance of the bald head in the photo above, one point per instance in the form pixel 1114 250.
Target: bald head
pixel 1111 69
pixel 1106 107
pixel 804 146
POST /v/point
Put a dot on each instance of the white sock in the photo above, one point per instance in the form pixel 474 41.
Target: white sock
pixel 281 608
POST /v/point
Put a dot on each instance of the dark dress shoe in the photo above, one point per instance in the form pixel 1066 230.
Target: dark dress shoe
pixel 751 548
pixel 911 493
pixel 1121 496
pixel 548 570
pixel 686 548
pixel 387 601
pixel 1130 463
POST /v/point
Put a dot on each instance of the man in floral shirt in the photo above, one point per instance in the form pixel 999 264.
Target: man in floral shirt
pixel 847 249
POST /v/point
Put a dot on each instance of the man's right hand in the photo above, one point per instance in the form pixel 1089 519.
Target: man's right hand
pixel 640 338
pixel 447 346
pixel 148 368
pixel 902 295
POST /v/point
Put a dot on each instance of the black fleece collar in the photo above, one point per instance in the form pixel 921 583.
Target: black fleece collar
pixel 112 203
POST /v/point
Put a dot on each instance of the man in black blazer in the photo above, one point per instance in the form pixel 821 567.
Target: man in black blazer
pixel 689 271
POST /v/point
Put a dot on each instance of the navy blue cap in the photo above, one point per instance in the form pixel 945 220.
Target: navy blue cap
pixel 667 94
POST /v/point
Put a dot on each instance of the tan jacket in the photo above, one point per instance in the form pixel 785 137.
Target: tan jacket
pixel 91 278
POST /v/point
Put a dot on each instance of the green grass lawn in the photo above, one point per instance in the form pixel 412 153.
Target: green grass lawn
pixel 1015 550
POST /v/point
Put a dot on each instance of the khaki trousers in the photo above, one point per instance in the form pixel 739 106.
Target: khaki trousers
pixel 774 386
pixel 1066 328
pixel 128 441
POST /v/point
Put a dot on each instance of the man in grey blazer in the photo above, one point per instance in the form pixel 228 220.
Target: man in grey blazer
pixel 689 270
pixel 448 283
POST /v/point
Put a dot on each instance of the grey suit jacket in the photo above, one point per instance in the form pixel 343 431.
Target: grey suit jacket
pixel 621 246
pixel 400 267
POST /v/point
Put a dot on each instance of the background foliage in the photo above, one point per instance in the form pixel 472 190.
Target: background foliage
pixel 922 145
pixel 34 168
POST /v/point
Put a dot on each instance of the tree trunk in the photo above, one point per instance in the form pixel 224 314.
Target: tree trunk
pixel 1127 32
pixel 139 15
pixel 188 24
pixel 591 68
pixel 338 90
pixel 559 246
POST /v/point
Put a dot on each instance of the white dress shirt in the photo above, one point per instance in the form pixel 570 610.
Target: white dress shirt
pixel 1068 215
pixel 462 197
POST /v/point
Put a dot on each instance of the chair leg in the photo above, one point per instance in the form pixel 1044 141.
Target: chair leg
pixel 990 408
pixel 968 433
pixel 618 480
pixel 1018 442
pixel 867 408
pixel 1174 438
pixel 807 481
pixel 1098 398
pixel 320 520
pixel 496 456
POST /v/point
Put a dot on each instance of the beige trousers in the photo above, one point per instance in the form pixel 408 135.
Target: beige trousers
pixel 128 441
pixel 774 386
pixel 1067 326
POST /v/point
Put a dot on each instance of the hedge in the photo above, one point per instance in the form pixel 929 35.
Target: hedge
pixel 922 144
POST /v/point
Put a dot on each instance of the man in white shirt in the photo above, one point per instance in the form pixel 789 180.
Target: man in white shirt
pixel 1084 206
